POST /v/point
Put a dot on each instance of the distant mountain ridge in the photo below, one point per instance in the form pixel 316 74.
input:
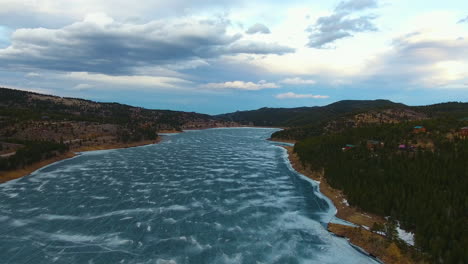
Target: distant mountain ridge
pixel 29 105
pixel 19 106
pixel 303 122
pixel 289 117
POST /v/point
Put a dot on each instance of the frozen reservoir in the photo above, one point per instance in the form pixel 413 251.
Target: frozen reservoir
pixel 208 196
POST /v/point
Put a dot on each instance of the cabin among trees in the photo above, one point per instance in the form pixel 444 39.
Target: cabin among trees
pixel 464 131
pixel 420 180
pixel 348 147
pixel 419 129
pixel 374 144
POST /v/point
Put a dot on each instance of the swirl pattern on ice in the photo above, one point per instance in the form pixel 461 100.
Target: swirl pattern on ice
pixel 210 196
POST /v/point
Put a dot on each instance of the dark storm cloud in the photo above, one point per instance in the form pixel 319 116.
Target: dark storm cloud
pixel 105 46
pixel 258 28
pixel 341 23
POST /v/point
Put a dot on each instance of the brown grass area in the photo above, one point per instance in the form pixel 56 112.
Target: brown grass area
pixel 173 131
pixel 18 173
pixel 117 145
pixel 373 243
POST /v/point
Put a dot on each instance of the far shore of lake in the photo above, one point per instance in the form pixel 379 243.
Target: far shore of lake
pixel 18 173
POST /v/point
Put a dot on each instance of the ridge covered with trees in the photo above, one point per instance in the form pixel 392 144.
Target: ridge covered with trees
pixel 291 117
pixel 415 173
pixel 34 127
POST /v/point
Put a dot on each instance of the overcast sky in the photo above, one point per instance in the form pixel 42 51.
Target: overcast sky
pixel 216 56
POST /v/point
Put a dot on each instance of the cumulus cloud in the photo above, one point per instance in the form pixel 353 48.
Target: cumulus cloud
pixel 463 20
pixel 422 60
pixel 291 95
pixel 356 5
pixel 341 24
pixel 51 13
pixel 241 85
pixel 100 44
pixel 258 28
pixel 297 81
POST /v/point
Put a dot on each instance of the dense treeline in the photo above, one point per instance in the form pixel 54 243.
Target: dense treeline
pixel 299 133
pixel 342 114
pixel 33 151
pixel 137 134
pixel 304 116
pixel 423 186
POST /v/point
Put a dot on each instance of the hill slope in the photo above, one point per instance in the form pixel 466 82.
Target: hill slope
pixel 36 127
pixel 18 105
pixel 289 117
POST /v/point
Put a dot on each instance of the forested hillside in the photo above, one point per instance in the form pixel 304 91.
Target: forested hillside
pixel 18 105
pixel 417 176
pixel 290 117
pixel 373 116
pixel 34 126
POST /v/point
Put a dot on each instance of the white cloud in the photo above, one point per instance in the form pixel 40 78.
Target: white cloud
pixel 130 81
pixel 437 56
pixel 463 20
pixel 33 74
pixel 427 58
pixel 241 85
pixel 291 95
pixel 298 81
pixel 82 86
pixel 258 28
pixel 342 23
pixel 356 5
pixel 98 19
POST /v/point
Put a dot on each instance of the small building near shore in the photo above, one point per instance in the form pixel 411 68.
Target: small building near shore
pixel 464 131
pixel 373 144
pixel 419 129
pixel 348 147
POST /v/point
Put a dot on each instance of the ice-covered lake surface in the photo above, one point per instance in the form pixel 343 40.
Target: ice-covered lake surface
pixel 209 196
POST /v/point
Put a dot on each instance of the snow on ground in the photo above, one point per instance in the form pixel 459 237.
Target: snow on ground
pixel 408 237
pixel 345 202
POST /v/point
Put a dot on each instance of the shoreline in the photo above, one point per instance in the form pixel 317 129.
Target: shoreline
pixel 344 211
pixel 7 176
pixel 375 245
